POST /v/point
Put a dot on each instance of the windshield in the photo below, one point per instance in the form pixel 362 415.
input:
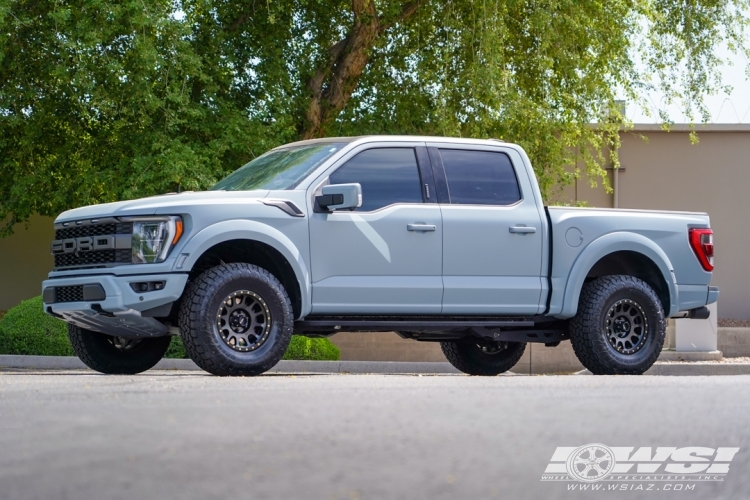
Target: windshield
pixel 278 169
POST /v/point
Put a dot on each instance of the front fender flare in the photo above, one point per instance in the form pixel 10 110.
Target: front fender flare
pixel 250 230
pixel 605 245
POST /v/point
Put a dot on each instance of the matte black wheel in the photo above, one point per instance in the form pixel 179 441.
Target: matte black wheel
pixel 117 355
pixel 620 326
pixel 474 358
pixel 236 319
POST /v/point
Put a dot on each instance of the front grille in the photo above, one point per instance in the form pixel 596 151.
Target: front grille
pixel 69 293
pixel 114 251
pixel 95 258
pixel 94 230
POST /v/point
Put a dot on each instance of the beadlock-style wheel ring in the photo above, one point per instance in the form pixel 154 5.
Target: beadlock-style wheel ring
pixel 626 326
pixel 243 321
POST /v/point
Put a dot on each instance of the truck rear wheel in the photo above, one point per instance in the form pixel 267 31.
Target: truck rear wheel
pixel 619 328
pixel 117 355
pixel 236 319
pixel 483 359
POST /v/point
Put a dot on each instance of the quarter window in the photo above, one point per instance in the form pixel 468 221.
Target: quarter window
pixel 387 176
pixel 480 177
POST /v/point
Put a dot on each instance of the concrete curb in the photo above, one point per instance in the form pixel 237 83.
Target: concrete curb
pixel 394 367
pixel 363 367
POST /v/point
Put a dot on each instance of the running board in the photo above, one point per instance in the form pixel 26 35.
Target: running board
pixel 375 324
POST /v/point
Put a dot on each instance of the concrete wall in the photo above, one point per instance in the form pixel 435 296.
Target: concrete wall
pixel 26 260
pixel 665 171
pixel 670 173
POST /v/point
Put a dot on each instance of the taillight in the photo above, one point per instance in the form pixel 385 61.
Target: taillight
pixel 702 242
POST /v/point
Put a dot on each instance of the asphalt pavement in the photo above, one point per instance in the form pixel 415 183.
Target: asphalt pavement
pixel 188 435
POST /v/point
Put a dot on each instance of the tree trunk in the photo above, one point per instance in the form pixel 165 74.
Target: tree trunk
pixel 332 85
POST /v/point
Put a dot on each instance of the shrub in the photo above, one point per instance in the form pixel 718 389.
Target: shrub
pixel 305 348
pixel 176 349
pixel 27 329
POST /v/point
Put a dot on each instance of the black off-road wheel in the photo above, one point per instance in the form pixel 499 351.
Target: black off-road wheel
pixel 117 355
pixel 236 319
pixel 619 328
pixel 475 358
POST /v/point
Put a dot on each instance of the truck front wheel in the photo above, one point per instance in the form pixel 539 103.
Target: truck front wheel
pixel 619 328
pixel 483 359
pixel 236 319
pixel 117 355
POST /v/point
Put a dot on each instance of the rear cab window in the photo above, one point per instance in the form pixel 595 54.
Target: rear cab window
pixel 480 177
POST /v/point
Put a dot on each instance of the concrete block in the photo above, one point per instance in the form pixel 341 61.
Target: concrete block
pixel 697 334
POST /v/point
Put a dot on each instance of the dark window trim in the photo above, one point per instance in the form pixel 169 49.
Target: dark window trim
pixel 440 172
pixel 418 160
pixel 441 181
pixel 427 179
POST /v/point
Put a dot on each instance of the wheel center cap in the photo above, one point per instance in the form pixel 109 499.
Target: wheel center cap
pixel 239 321
pixel 621 326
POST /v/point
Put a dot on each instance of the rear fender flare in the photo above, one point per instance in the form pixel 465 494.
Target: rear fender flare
pixel 610 243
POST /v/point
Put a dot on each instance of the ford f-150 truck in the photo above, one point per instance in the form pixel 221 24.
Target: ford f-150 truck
pixel 439 239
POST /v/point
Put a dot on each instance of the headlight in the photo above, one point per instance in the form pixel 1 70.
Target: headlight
pixel 154 237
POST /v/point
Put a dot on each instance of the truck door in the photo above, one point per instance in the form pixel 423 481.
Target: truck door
pixel 492 232
pixel 386 256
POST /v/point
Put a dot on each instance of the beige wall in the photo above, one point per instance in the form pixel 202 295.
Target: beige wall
pixel 665 171
pixel 26 260
pixel 670 173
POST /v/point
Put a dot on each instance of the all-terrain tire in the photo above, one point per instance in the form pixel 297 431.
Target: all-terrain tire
pixel 474 359
pixel 629 350
pixel 207 340
pixel 113 355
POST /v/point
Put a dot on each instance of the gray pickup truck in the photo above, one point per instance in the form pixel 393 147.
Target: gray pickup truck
pixel 439 239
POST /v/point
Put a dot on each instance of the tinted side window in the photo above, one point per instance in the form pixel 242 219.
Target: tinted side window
pixel 387 176
pixel 480 177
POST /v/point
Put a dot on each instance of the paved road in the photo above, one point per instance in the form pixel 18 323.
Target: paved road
pixel 186 435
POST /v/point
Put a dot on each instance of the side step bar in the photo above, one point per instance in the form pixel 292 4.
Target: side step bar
pixel 439 329
pixel 371 325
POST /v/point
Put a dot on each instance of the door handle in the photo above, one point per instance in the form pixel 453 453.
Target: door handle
pixel 420 227
pixel 522 229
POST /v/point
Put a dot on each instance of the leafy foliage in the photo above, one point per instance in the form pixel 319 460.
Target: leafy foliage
pixel 176 349
pixel 26 329
pixel 304 348
pixel 101 101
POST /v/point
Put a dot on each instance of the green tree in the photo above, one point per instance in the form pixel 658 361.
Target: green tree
pixel 103 100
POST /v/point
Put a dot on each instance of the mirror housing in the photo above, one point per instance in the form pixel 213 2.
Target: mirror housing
pixel 340 197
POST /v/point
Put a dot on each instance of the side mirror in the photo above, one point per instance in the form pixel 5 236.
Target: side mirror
pixel 340 197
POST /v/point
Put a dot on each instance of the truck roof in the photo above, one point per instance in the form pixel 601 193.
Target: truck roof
pixel 394 138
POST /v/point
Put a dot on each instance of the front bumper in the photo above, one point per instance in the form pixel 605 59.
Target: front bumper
pixel 108 304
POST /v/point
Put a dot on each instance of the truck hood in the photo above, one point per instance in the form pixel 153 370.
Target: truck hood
pixel 158 204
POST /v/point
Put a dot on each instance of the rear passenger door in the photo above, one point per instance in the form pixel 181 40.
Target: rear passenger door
pixel 492 231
